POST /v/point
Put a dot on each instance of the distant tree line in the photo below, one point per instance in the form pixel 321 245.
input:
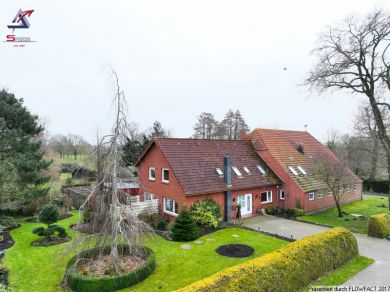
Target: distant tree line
pixel 362 149
pixel 69 145
pixel 208 127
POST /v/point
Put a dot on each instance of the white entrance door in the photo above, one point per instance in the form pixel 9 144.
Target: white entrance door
pixel 245 202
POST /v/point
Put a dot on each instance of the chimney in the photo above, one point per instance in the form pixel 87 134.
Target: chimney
pixel 244 135
pixel 227 165
pixel 227 170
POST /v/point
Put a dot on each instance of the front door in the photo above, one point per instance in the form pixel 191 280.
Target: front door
pixel 245 202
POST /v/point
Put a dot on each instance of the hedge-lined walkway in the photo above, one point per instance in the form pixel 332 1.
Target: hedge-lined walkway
pixel 377 249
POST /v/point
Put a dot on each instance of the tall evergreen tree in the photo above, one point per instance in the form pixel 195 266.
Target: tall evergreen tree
pixel 20 147
pixel 185 228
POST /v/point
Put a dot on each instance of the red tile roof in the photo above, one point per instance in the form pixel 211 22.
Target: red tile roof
pixel 193 162
pixel 283 145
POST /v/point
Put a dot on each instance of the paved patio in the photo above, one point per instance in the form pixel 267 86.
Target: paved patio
pixel 377 249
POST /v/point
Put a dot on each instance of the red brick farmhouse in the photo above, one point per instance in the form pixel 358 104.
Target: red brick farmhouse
pixel 265 168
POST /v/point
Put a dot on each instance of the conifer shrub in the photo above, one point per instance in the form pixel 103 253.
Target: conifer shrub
pixel 184 228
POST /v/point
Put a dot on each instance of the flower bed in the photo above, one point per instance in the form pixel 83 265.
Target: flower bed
pixel 85 283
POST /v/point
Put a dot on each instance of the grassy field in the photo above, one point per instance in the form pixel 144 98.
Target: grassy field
pixel 42 268
pixel 341 275
pixel 367 207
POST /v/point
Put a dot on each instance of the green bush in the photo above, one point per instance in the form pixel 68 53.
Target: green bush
pixel 379 225
pixel 270 210
pixel 298 212
pixel 88 215
pixel 83 283
pixel 49 214
pixel 162 225
pixel 184 228
pixel 7 222
pixel 290 268
pixel 377 186
pixel 150 218
pixel 206 213
pixel 3 269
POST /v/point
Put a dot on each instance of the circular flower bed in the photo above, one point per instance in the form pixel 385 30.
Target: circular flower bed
pixel 77 280
pixel 52 241
pixel 235 250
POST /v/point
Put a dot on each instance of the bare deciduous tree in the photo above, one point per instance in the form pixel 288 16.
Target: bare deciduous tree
pixel 354 56
pixel 335 175
pixel 206 127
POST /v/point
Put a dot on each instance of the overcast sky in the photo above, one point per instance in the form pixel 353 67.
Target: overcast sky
pixel 175 59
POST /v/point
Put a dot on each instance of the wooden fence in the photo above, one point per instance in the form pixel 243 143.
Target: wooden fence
pixel 137 208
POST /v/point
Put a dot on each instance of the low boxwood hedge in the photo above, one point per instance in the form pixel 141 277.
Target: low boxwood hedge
pixel 82 283
pixel 288 269
pixel 379 225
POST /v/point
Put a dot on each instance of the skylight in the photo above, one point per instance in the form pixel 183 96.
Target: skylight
pixel 292 169
pixel 236 171
pixel 219 171
pixel 262 171
pixel 246 170
pixel 301 170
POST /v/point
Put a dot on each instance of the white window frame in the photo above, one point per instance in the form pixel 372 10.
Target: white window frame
pixel 293 170
pixel 300 168
pixel 355 187
pixel 280 194
pixel 150 173
pixel 246 170
pixel 312 196
pixel 151 196
pixel 170 212
pixel 162 175
pixel 262 171
pixel 269 197
pixel 219 171
pixel 236 171
pixel 320 195
pixel 330 194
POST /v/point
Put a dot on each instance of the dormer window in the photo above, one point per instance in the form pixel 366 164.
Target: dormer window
pixel 152 173
pixel 236 171
pixel 262 171
pixel 301 170
pixel 219 171
pixel 292 169
pixel 246 170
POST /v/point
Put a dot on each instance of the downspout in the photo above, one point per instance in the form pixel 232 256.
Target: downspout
pixel 227 164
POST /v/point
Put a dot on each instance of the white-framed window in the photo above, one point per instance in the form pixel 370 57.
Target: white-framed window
pixel 282 195
pixel 355 188
pixel 293 170
pixel 330 193
pixel 152 173
pixel 300 168
pixel 171 207
pixel 266 197
pixel 262 171
pixel 311 196
pixel 148 196
pixel 219 171
pixel 320 195
pixel 165 175
pixel 246 170
pixel 236 171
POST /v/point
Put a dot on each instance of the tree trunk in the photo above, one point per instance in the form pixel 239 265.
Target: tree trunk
pixel 337 201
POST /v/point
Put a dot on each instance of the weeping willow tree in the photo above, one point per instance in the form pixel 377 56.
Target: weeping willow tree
pixel 115 224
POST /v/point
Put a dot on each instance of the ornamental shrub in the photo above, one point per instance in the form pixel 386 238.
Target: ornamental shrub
pixel 184 228
pixel 379 225
pixel 162 225
pixel 290 268
pixel 206 213
pixel 49 214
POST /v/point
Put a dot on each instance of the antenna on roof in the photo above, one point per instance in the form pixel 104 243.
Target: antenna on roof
pixel 305 126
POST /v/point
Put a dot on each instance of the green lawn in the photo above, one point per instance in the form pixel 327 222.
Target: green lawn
pixel 341 275
pixel 367 207
pixel 42 268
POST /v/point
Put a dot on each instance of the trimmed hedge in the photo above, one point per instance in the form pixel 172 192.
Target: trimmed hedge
pixel 377 186
pixel 379 225
pixel 82 283
pixel 288 269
